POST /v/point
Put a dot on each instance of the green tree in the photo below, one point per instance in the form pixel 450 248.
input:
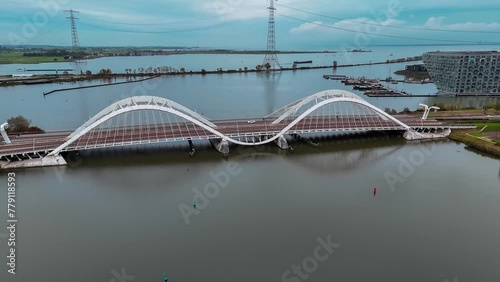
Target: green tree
pixel 18 124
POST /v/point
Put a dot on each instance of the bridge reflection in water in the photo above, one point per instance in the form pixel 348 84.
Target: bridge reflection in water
pixel 148 120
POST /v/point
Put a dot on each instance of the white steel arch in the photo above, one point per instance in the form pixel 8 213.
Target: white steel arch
pixel 320 96
pixel 142 100
pixel 292 108
pixel 150 103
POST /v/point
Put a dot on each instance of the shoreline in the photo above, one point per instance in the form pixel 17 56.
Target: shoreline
pixel 10 60
pixel 484 147
pixel 6 80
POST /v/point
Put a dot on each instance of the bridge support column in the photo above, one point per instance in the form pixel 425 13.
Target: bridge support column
pixel 222 146
pixel 282 143
pixel 191 146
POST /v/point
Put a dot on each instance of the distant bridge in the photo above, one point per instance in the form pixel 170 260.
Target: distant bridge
pixel 148 120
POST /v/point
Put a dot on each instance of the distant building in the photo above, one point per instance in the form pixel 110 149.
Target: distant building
pixel 22 75
pixel 416 68
pixel 475 72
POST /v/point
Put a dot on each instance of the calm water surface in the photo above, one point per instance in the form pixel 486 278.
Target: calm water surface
pixel 111 212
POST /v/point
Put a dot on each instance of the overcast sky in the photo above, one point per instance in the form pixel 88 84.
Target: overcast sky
pixel 238 24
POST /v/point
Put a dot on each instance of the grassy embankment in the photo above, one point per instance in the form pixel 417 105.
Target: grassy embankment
pixel 479 139
pixel 18 58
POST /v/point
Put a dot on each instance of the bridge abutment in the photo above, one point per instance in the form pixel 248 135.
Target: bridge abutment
pixel 46 161
pixel 282 143
pixel 414 135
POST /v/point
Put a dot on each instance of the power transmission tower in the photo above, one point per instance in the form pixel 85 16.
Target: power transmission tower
pixel 76 43
pixel 74 33
pixel 271 58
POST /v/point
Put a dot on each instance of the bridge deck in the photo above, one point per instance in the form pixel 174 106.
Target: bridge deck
pixel 155 133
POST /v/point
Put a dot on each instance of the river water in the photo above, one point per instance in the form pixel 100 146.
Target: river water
pixel 110 213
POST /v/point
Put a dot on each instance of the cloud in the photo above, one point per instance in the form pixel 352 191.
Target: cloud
pixel 357 24
pixel 439 23
pixel 434 22
pixel 319 31
pixel 233 23
pixel 307 27
pixel 242 9
pixel 116 16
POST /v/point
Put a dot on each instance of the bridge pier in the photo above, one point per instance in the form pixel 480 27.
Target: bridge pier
pixel 221 145
pixel 282 143
pixel 191 146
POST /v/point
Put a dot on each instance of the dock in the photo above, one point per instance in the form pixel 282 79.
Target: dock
pixel 334 77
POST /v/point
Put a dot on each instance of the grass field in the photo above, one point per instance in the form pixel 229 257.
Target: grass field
pixel 473 138
pixel 17 58
pixel 491 127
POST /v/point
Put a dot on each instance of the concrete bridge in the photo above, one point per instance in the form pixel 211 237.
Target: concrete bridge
pixel 148 120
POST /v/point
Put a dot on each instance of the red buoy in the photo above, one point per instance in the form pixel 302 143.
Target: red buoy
pixel 374 191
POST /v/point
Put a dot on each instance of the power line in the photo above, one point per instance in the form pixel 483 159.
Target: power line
pixel 391 26
pixel 162 31
pixel 173 22
pixel 386 35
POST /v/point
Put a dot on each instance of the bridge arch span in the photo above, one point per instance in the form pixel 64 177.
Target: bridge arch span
pixel 328 97
pixel 140 103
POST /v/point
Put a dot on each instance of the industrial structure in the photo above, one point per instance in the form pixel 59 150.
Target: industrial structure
pixel 476 72
pixel 74 33
pixel 271 58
